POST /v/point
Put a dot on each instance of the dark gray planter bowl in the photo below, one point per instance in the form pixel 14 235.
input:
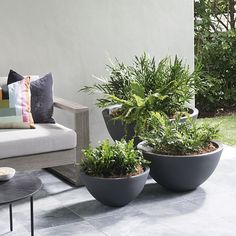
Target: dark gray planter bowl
pixel 118 130
pixel 115 192
pixel 181 173
pixel 193 114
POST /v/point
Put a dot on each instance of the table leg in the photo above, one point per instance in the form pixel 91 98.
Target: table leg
pixel 11 219
pixel 32 214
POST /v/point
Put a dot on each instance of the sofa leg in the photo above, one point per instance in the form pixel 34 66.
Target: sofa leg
pixel 69 173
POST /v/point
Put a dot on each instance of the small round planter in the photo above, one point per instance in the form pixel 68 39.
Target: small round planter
pixel 118 130
pixel 115 192
pixel 181 173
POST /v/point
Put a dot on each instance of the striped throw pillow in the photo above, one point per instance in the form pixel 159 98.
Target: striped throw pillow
pixel 15 112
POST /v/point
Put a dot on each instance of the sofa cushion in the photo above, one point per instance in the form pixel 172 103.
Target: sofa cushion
pixel 42 99
pixel 15 111
pixel 13 77
pixel 41 96
pixel 45 138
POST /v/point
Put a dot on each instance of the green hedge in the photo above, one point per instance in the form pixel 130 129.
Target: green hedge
pixel 218 59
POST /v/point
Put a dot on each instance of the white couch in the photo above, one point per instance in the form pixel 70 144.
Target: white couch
pixel 49 145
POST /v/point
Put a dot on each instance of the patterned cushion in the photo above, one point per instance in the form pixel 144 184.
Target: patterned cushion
pixel 15 111
pixel 41 96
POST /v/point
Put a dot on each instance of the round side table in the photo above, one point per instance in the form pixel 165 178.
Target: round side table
pixel 21 186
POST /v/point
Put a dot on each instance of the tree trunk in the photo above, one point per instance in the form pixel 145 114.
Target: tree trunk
pixel 231 13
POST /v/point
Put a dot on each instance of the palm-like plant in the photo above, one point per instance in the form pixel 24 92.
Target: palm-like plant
pixel 170 82
pixel 145 87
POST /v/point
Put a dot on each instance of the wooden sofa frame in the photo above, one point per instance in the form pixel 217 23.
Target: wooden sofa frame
pixel 63 162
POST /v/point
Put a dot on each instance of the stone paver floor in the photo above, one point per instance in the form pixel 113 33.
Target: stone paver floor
pixel 63 210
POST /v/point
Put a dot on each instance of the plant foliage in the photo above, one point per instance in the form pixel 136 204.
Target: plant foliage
pixel 215 49
pixel 117 160
pixel 146 86
pixel 175 138
pixel 218 58
pixel 211 17
pixel 118 84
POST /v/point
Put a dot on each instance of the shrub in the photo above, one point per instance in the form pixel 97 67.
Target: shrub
pixel 175 138
pixel 218 58
pixel 215 48
pixel 117 160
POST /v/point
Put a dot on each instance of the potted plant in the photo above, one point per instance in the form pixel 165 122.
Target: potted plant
pixel 114 174
pixel 182 156
pixel 132 92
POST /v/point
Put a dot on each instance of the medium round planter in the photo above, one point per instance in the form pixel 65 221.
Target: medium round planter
pixel 115 192
pixel 193 113
pixel 118 130
pixel 181 173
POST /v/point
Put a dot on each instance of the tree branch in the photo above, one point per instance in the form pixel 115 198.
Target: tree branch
pixel 231 13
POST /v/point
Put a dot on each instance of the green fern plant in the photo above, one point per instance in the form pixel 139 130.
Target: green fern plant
pixel 117 160
pixel 175 138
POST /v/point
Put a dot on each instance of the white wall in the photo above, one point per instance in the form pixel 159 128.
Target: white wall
pixel 74 38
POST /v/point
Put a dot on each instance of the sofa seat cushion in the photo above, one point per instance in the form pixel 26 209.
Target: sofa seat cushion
pixel 45 138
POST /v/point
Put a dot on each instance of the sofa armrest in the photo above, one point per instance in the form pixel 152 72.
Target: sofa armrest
pixel 81 122
pixel 69 105
pixel 81 127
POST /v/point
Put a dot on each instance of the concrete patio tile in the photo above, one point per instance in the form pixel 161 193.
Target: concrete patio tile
pixel 166 210
pixel 65 210
pixel 229 152
pixel 77 229
pixel 169 225
pixel 49 218
pixel 18 228
pixel 194 225
pixel 94 209
pixel 224 176
pixel 133 224
pixel 51 184
pixel 73 196
pixel 42 201
pixel 220 206
pixel 153 192
pixel 48 211
pixel 154 199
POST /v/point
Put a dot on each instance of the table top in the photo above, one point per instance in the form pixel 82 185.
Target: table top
pixel 19 187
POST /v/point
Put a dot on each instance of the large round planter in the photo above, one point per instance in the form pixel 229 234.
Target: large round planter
pixel 115 192
pixel 181 173
pixel 118 130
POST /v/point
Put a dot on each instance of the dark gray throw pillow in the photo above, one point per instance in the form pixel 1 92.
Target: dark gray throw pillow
pixel 13 77
pixel 41 97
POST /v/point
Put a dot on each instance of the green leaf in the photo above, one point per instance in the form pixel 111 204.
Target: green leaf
pixel 139 101
pixel 137 89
